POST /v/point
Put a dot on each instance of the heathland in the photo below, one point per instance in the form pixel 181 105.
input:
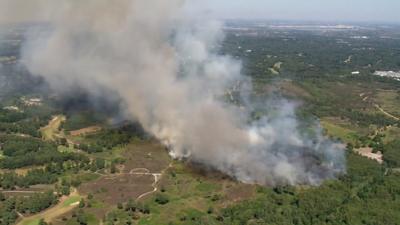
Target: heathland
pixel 64 160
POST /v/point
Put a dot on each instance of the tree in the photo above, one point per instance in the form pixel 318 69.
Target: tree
pixel 100 163
pixel 2 197
pixel 113 168
pixel 161 199
pixel 82 203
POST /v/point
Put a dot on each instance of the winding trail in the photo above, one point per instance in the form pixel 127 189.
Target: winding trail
pixel 386 113
pixel 157 177
pixel 366 97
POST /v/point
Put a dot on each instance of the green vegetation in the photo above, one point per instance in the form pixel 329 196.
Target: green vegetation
pixel 11 180
pixel 392 154
pixel 106 140
pixel 26 151
pixel 89 170
pixel 9 207
pixel 71 200
pixel 355 199
pixel 77 121
pixel 48 132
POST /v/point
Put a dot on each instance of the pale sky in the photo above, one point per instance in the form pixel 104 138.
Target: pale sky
pixel 321 10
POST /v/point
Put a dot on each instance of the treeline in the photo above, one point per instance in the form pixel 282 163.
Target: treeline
pixel 9 116
pixel 36 203
pixel 110 138
pixel 105 140
pixel 10 207
pixel 26 151
pixel 12 180
pixel 24 122
pixel 28 127
pixel 366 119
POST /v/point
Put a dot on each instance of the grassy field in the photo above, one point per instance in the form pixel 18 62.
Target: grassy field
pixel 389 101
pixel 71 200
pixel 337 131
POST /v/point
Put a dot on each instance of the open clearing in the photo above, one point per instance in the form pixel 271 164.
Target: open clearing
pixel 119 188
pixel 144 164
pixel 368 152
pixel 142 154
pixel 50 131
pixel 85 131
pixel 333 129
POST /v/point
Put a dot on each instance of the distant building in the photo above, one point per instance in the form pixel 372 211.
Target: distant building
pixel 391 74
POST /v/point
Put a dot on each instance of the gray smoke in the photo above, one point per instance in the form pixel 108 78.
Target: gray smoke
pixel 163 63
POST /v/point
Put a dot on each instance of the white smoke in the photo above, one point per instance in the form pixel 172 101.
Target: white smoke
pixel 163 63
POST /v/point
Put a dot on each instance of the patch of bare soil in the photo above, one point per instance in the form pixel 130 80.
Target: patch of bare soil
pixel 368 152
pixel 26 192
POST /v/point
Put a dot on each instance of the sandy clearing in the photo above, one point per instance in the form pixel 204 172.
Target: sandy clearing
pixel 368 152
pixel 49 132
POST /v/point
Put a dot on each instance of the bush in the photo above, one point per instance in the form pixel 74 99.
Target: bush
pixel 161 199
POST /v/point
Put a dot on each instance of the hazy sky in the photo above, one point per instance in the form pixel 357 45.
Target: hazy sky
pixel 319 10
pixel 327 10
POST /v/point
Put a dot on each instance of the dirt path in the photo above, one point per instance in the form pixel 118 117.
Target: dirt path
pixel 386 113
pixel 154 185
pixel 22 192
pixel 365 98
pixel 157 177
pixel 66 204
pixel 145 172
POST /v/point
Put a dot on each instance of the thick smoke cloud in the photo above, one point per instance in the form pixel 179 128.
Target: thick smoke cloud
pixel 164 65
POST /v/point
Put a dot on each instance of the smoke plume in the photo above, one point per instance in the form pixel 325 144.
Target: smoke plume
pixel 164 64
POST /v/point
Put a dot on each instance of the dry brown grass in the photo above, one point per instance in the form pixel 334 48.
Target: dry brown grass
pixel 150 155
pixel 115 189
pixel 85 131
